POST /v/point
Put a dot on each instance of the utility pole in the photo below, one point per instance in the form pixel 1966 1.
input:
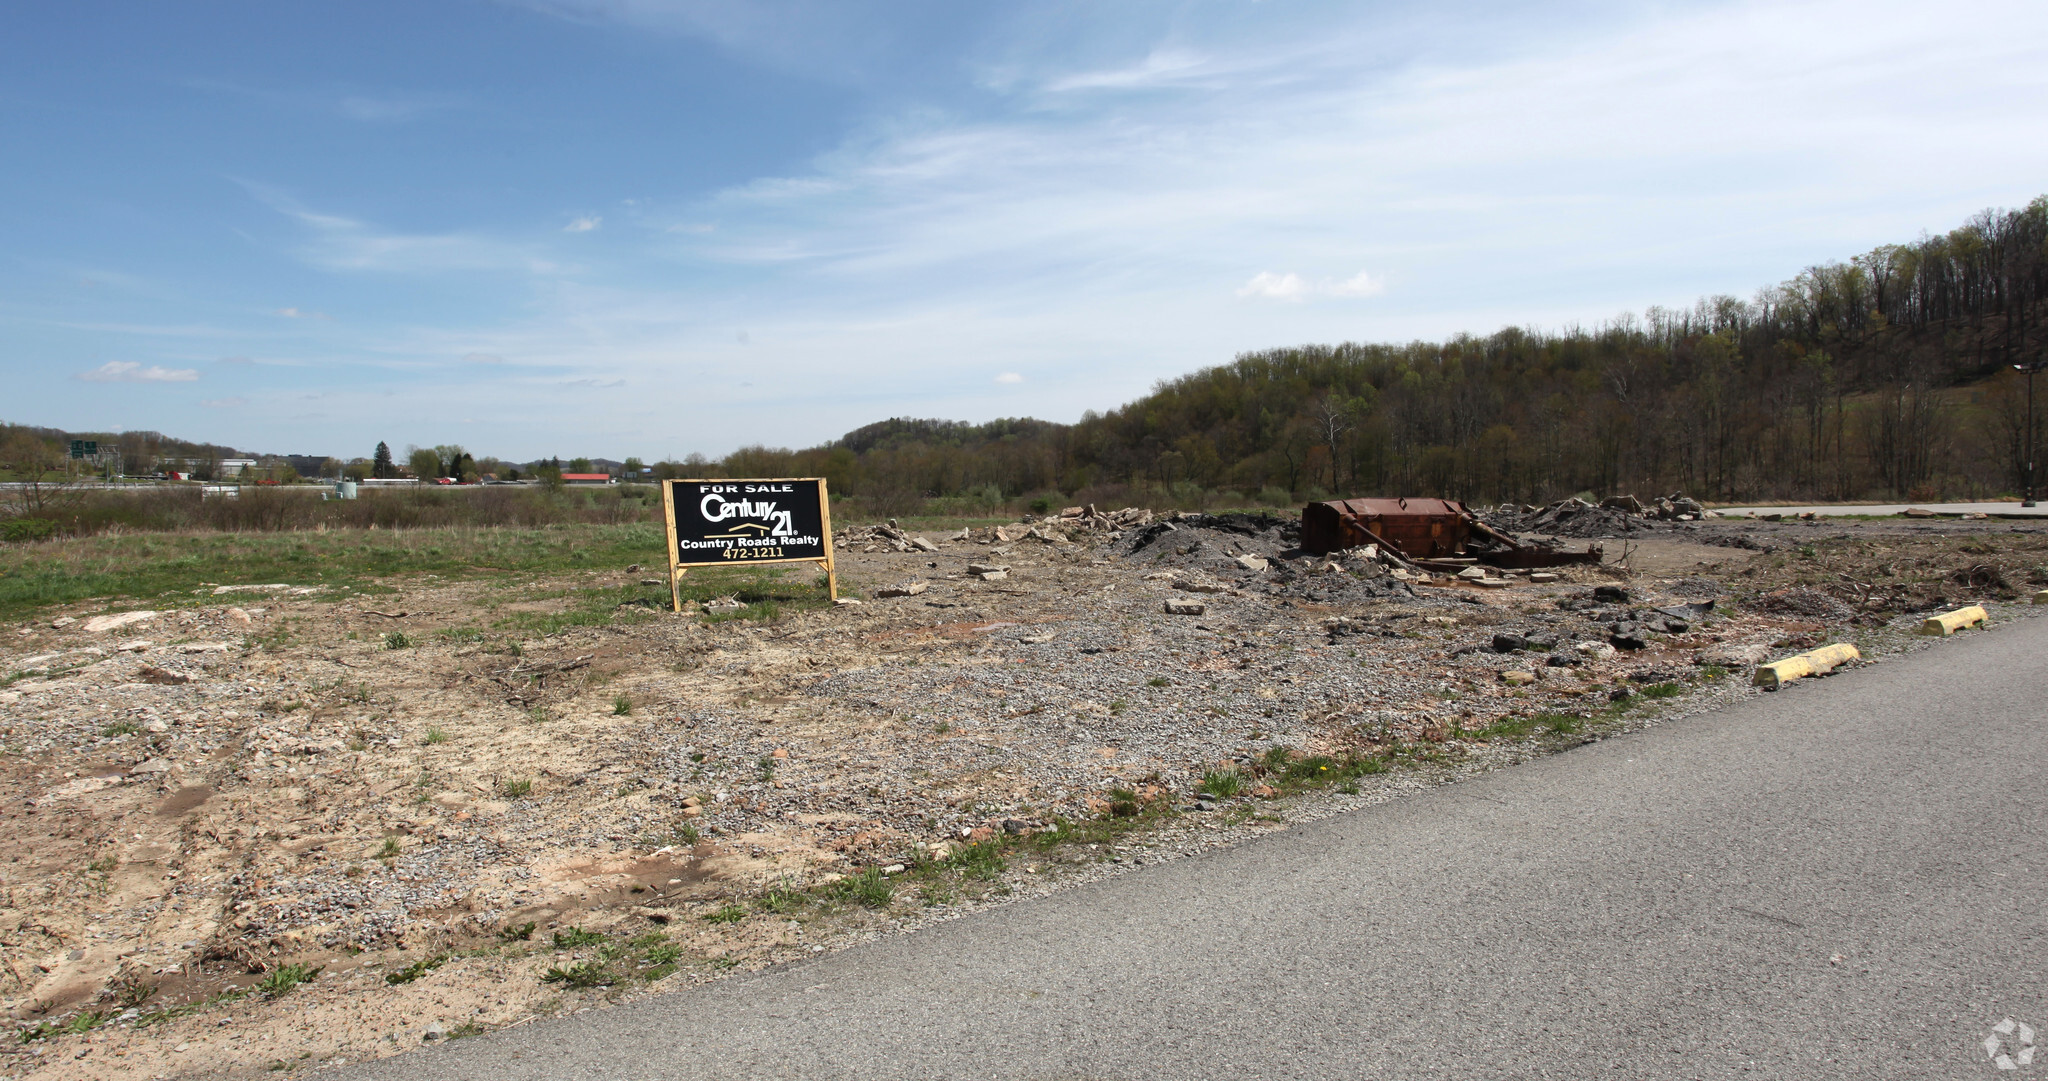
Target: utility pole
pixel 2030 370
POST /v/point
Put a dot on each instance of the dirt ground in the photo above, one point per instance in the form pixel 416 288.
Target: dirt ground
pixel 259 832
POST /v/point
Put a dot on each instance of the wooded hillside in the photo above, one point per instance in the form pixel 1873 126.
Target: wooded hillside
pixel 1886 375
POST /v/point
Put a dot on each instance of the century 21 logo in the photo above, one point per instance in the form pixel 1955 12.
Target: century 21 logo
pixel 716 508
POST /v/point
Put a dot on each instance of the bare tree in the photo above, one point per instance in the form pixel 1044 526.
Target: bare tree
pixel 43 481
pixel 1332 416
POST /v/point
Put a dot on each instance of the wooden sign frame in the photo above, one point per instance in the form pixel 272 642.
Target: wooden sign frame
pixel 677 568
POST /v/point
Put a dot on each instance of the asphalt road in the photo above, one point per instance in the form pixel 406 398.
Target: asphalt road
pixel 1845 879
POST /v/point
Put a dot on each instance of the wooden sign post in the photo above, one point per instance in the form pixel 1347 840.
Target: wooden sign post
pixel 731 522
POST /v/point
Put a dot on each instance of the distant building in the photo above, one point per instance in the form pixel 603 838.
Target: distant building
pixel 587 478
pixel 226 467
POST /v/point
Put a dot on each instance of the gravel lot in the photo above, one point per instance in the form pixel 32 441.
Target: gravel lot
pixel 200 799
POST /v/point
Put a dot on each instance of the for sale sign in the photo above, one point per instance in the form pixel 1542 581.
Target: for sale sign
pixel 732 522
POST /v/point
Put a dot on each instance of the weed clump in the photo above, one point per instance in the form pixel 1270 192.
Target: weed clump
pixel 415 970
pixel 285 977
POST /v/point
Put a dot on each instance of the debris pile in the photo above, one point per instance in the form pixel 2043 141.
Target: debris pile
pixel 882 538
pixel 1613 516
pixel 1806 603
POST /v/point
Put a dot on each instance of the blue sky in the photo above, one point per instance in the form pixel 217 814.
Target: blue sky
pixel 653 227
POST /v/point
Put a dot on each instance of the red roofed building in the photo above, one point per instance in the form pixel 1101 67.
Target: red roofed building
pixel 587 478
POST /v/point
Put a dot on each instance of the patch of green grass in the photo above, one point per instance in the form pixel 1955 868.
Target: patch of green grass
pixel 173 1013
pixel 390 850
pixel 1158 681
pixel 85 1021
pixel 397 640
pixel 515 933
pixel 665 954
pixel 285 977
pixel 781 899
pixel 726 914
pixel 1663 690
pixel 103 864
pixel 983 862
pixel 1312 768
pixel 519 788
pixel 141 568
pixel 576 938
pixel 583 974
pixel 622 706
pixel 460 634
pixel 415 970
pixel 435 735
pixel 870 888
pixel 122 728
pixel 1124 803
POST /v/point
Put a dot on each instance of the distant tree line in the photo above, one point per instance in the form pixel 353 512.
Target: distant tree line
pixel 1889 375
pixel 1886 375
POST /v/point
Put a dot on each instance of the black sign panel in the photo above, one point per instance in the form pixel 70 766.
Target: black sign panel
pixel 727 522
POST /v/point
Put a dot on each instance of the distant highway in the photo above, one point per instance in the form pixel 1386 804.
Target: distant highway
pixel 1996 510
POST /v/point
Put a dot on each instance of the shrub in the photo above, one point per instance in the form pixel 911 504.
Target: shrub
pixel 27 529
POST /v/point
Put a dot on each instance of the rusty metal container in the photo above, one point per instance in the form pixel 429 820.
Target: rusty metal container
pixel 1422 530
pixel 1415 528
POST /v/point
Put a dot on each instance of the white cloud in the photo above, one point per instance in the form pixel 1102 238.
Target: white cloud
pixel 224 403
pixel 1009 377
pixel 482 358
pixel 583 225
pixel 339 243
pixel 1273 286
pixel 128 371
pixel 294 313
pixel 1161 68
pixel 1293 287
pixel 1361 284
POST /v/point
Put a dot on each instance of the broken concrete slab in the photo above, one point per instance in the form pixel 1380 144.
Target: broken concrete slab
pixel 103 624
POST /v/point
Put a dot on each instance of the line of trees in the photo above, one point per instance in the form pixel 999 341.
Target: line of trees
pixel 1886 375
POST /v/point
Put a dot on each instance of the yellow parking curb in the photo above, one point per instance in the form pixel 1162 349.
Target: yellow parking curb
pixel 1818 662
pixel 1951 622
pixel 2041 597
